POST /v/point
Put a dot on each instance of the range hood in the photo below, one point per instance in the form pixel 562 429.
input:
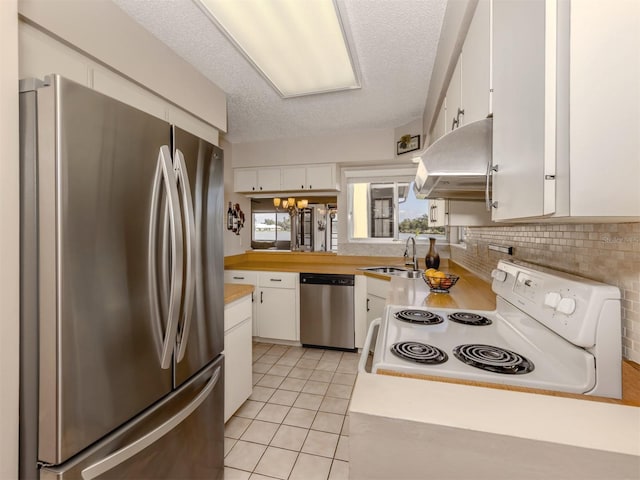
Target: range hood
pixel 456 165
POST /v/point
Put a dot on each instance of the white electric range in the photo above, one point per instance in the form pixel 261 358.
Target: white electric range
pixel 550 331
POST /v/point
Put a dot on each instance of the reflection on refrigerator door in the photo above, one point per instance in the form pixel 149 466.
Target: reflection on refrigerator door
pixel 177 438
pixel 118 233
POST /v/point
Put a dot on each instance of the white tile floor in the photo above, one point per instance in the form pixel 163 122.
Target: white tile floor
pixel 295 424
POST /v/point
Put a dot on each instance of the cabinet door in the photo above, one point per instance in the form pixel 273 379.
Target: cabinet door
pixel 276 313
pixel 321 177
pixel 249 278
pixel 375 307
pixel 437 213
pixel 476 66
pixel 269 179
pixel 519 109
pixel 245 179
pixel 294 178
pixel 237 351
pixel 453 99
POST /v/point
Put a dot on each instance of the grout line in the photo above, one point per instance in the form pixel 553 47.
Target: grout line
pixel 265 349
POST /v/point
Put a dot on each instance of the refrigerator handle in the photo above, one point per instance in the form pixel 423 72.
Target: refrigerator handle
pixel 164 171
pixel 189 223
pixel 122 455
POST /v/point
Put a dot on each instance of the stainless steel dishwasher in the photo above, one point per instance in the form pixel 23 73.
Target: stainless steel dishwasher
pixel 327 311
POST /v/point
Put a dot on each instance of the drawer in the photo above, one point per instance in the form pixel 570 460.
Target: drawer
pixel 241 276
pixel 237 311
pixel 277 279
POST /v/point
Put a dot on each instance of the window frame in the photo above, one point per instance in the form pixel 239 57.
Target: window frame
pixel 399 176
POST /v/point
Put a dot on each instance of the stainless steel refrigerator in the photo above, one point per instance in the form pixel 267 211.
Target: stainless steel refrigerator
pixel 121 291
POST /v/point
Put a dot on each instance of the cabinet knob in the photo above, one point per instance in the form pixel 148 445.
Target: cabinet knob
pixel 302 186
pixel 499 275
pixel 552 299
pixel 566 306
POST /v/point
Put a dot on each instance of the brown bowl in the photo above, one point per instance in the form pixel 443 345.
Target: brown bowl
pixel 441 284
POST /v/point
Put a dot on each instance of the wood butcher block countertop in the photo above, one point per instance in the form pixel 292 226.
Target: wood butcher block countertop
pixel 308 262
pixel 234 291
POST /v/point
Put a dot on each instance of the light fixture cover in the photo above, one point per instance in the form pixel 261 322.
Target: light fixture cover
pixel 276 202
pixel 299 46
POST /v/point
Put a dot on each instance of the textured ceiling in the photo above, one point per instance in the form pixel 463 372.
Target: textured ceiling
pixel 395 43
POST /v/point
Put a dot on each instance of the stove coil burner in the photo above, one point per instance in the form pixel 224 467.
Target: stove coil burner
pixel 493 359
pixel 423 317
pixel 419 353
pixel 469 318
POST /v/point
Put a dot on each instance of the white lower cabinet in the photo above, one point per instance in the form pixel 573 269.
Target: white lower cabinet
pixel 237 351
pixel 278 305
pixel 376 298
pixel 276 302
pixel 247 277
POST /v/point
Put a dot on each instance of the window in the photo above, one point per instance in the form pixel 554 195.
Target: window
pixel 271 227
pixel 389 210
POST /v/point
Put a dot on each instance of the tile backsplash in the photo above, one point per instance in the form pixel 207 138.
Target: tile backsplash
pixel 609 253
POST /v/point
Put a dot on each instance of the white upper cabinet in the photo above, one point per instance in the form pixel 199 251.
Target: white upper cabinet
pixel 312 177
pixel 437 213
pixel 294 178
pixel 519 109
pixel 322 177
pixel 565 103
pixel 468 95
pixel 454 114
pixel 286 179
pixel 475 82
pixel 267 179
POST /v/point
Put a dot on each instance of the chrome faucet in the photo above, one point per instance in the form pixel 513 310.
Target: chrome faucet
pixel 414 262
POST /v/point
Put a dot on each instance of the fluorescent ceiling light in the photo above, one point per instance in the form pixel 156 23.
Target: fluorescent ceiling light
pixel 298 46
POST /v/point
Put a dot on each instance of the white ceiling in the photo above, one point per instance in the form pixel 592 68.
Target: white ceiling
pixel 395 43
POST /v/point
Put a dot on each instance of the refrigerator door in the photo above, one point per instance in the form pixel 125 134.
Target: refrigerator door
pixel 101 340
pixel 200 174
pixel 182 437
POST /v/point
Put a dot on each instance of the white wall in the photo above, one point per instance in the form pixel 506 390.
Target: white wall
pixel 235 244
pixel 102 31
pixel 365 146
pixel 412 128
pixel 9 240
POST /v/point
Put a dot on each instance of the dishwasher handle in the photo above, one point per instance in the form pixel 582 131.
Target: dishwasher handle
pixel 338 280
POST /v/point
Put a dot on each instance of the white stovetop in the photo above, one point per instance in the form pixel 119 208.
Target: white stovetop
pixel 560 367
pixel 567 421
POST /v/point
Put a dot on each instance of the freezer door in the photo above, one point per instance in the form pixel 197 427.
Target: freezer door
pixel 200 174
pixel 180 438
pixel 100 343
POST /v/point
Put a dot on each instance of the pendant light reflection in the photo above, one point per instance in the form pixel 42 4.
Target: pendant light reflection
pixel 291 204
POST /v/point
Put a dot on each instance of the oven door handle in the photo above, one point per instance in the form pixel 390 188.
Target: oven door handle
pixel 364 356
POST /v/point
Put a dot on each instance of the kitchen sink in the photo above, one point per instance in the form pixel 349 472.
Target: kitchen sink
pixel 390 270
pixel 397 271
